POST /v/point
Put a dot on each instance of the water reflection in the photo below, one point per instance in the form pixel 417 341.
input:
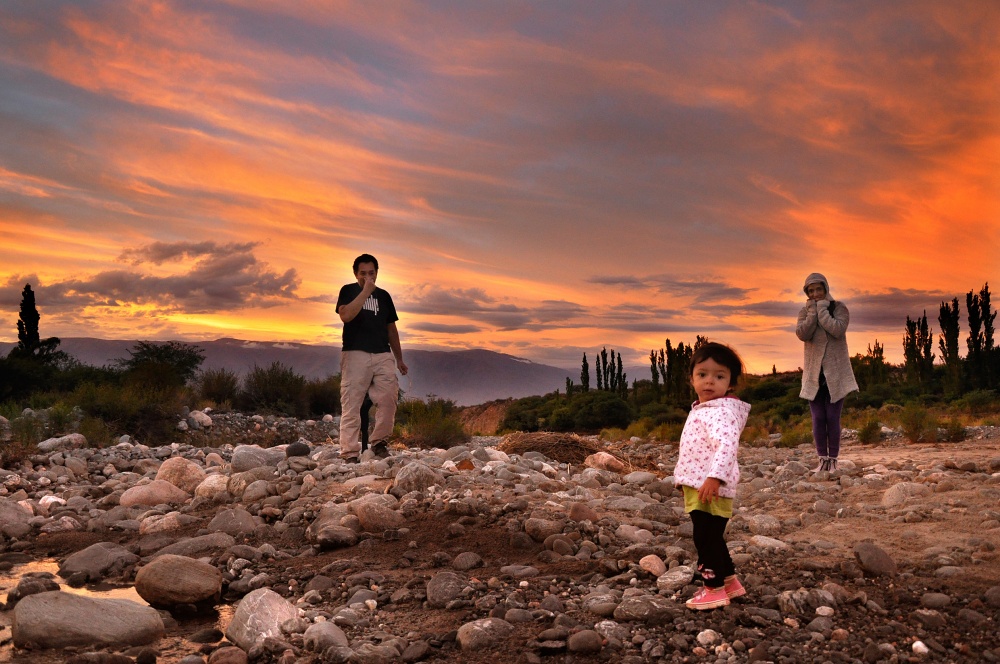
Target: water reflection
pixel 173 642
pixel 10 578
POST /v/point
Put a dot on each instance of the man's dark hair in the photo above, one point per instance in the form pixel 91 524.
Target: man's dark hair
pixel 365 258
pixel 722 354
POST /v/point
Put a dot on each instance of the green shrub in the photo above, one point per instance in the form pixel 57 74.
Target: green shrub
pixel 432 424
pixel 667 432
pixel 275 389
pixel 662 413
pixel 10 410
pixel 796 434
pixel 218 386
pixel 147 412
pixel 528 414
pixel 167 364
pixel 561 419
pixel 613 435
pixel 870 432
pixel 954 431
pixel 978 401
pixel 96 431
pixel 917 423
pixel 63 418
pixel 27 430
pixel 596 410
pixel 638 429
pixel 13 452
pixel 323 395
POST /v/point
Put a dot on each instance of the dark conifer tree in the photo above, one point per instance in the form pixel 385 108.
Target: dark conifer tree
pixel 948 343
pixel 27 324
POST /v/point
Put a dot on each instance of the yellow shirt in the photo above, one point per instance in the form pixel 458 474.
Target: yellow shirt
pixel 719 507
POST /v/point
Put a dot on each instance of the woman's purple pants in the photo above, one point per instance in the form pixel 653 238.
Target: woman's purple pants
pixel 826 423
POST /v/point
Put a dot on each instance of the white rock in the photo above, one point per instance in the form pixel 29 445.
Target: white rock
pixel 258 616
pixel 767 542
pixel 674 579
pixel 70 441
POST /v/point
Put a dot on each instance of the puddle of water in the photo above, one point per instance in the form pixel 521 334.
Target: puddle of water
pixel 10 579
pixel 174 640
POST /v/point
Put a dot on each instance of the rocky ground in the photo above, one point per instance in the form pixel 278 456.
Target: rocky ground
pixel 474 555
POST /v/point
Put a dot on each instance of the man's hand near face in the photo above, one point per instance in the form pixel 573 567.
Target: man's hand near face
pixel 368 286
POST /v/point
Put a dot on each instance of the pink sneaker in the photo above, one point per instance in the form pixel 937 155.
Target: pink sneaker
pixel 734 588
pixel 708 598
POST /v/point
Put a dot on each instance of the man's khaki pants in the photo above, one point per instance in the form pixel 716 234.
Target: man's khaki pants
pixel 374 373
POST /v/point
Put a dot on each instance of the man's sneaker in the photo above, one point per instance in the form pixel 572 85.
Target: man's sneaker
pixel 380 449
pixel 831 464
pixel 349 459
pixel 734 588
pixel 822 465
pixel 708 598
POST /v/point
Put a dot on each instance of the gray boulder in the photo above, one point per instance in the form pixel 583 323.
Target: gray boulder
pixel 480 634
pixel 259 616
pixel 248 457
pixel 443 588
pixel 98 561
pixel 14 519
pixel 415 476
pixel 320 636
pixel 197 546
pixel 873 560
pixel 169 580
pixel 233 521
pixel 70 441
pixel 60 620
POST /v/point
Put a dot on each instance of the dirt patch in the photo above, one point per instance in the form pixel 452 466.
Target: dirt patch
pixel 923 532
pixel 484 419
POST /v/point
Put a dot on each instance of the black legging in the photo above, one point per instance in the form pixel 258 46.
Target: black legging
pixel 714 561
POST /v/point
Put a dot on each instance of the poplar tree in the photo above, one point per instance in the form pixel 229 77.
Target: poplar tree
pixel 948 341
pixel 654 372
pixel 585 375
pixel 917 355
pixel 980 342
pixel 604 369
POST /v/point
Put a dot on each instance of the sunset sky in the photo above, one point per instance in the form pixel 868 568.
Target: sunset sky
pixel 537 178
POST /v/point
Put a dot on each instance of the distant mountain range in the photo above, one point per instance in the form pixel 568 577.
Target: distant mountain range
pixel 467 377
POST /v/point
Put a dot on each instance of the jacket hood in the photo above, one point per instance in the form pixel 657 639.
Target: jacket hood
pixel 817 278
pixel 739 408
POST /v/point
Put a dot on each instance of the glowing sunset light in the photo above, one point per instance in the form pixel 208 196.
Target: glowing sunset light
pixel 534 178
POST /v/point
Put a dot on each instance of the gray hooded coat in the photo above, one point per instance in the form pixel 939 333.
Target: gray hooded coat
pixel 825 336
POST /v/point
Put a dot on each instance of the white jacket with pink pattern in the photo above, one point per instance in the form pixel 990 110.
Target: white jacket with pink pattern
pixel 709 444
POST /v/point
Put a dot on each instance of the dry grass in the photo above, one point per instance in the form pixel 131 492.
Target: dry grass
pixel 571 448
pixel 561 447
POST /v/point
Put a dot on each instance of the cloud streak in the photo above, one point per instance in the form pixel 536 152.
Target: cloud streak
pixel 531 178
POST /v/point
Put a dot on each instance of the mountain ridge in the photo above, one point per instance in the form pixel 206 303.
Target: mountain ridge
pixel 467 377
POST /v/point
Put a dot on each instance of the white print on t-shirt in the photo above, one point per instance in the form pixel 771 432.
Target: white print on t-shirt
pixel 371 304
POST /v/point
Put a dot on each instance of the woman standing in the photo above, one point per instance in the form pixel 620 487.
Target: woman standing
pixel 827 376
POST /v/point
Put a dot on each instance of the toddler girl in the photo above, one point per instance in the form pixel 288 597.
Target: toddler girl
pixel 707 470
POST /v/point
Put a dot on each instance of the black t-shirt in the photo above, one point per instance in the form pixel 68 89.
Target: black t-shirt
pixel 369 330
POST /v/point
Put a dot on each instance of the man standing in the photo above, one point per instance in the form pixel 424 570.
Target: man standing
pixel 367 363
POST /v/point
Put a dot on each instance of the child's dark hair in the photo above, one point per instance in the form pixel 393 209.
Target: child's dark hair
pixel 722 354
